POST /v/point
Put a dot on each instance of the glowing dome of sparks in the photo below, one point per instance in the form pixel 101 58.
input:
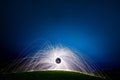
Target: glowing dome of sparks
pixel 55 58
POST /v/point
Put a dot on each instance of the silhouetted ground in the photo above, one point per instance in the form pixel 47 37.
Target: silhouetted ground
pixel 113 74
pixel 48 75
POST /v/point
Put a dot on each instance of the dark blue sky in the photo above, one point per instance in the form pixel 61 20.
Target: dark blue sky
pixel 91 26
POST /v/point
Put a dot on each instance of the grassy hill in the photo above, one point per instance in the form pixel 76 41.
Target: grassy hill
pixel 48 75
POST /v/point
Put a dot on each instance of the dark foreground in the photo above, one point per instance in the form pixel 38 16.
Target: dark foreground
pixel 48 75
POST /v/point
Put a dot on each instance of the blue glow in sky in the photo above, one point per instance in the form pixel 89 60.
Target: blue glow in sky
pixel 93 27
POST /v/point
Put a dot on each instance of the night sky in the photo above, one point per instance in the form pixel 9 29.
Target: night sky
pixel 90 26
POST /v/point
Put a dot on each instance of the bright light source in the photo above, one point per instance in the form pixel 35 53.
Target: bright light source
pixel 55 58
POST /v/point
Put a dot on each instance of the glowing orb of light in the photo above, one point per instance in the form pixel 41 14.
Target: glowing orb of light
pixel 55 58
pixel 58 60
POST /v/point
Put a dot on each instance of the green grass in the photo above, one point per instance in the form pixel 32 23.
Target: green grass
pixel 48 75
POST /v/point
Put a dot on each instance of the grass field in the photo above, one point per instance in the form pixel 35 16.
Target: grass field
pixel 48 75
